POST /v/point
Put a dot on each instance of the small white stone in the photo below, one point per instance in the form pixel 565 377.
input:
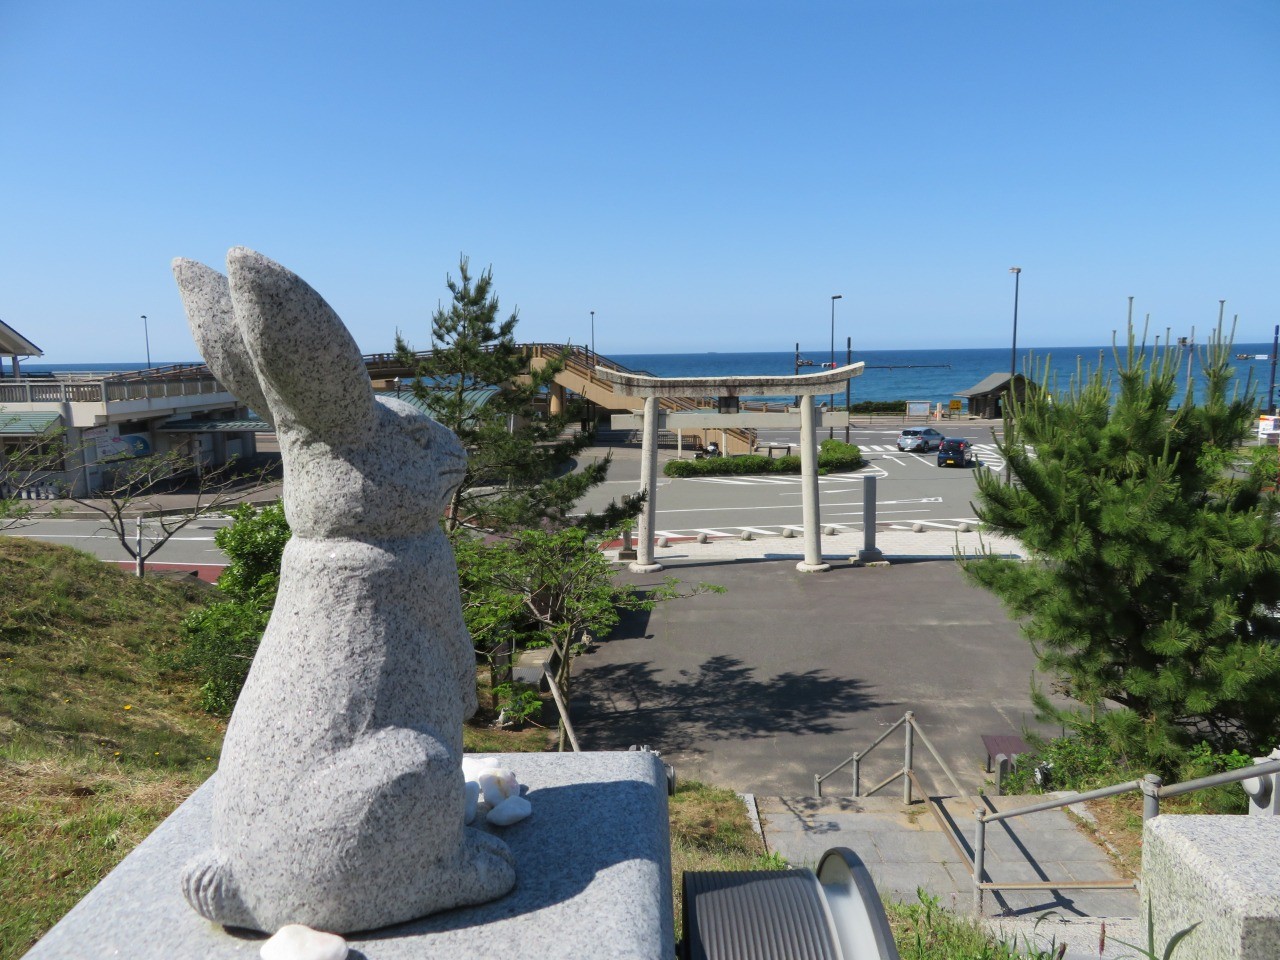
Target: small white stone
pixel 296 942
pixel 497 784
pixel 511 810
pixel 472 766
pixel 473 798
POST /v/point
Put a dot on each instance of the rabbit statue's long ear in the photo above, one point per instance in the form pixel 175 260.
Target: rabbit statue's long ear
pixel 206 296
pixel 310 368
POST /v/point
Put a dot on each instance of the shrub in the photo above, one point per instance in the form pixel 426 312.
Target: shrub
pixel 879 406
pixel 219 644
pixel 517 702
pixel 219 641
pixel 833 455
pixel 837 455
pixel 1093 757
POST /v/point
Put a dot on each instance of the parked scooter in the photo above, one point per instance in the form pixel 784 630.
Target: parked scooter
pixel 712 451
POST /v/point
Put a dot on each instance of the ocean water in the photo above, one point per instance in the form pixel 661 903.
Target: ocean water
pixel 932 375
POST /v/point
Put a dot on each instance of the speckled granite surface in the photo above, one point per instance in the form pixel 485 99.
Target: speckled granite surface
pixel 340 773
pixel 593 862
pixel 1220 872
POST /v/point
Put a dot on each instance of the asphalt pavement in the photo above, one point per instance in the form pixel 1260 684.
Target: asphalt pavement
pixel 785 674
pixel 911 487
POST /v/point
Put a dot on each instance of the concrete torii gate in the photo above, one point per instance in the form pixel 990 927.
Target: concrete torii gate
pixel 806 386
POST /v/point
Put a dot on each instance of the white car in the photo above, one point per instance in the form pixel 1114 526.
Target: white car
pixel 919 438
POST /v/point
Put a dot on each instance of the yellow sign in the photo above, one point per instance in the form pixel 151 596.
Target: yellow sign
pixel 955 406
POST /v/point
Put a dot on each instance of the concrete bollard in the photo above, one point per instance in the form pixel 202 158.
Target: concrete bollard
pixel 702 538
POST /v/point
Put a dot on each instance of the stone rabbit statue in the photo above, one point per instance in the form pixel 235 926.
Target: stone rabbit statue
pixel 339 799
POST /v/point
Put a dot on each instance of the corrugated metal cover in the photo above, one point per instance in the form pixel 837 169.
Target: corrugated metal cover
pixel 27 424
pixel 472 400
pixel 756 915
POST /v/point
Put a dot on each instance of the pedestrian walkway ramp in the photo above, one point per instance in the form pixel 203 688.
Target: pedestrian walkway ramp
pixel 906 848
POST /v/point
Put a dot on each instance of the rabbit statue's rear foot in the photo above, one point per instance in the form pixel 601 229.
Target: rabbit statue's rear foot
pixel 339 800
pixel 404 778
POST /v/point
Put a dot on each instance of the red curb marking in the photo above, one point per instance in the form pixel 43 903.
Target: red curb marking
pixel 208 572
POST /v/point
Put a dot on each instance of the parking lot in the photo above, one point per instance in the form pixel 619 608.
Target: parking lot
pixel 786 674
pixel 911 488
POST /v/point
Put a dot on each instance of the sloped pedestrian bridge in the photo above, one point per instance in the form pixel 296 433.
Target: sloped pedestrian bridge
pixel 581 376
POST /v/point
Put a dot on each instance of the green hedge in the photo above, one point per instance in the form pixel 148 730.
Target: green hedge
pixel 833 455
pixel 879 406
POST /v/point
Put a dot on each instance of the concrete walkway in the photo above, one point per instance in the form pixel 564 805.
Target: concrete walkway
pixel 840 548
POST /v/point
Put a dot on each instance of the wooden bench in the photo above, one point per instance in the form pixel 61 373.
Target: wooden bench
pixel 1010 744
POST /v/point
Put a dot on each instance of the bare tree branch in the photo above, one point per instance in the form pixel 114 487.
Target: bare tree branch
pixel 133 497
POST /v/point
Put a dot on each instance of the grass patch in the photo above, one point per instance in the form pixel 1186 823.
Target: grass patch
pixel 64 824
pixel 710 830
pixel 100 739
pixel 924 931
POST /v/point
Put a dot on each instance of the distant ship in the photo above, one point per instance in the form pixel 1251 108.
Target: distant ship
pixel 1253 356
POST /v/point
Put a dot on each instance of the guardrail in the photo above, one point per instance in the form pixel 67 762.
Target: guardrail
pixel 167 382
pixel 1152 789
pixel 907 772
pixel 563 707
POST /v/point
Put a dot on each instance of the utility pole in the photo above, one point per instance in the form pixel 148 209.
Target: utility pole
pixel 831 431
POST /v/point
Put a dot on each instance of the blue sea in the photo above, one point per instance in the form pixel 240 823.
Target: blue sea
pixel 932 375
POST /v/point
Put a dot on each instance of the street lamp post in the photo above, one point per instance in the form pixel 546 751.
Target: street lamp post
pixel 1013 353
pixel 593 336
pixel 831 431
pixel 146 335
pixel 1271 388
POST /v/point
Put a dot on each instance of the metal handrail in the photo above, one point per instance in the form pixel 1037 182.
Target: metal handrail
pixel 906 771
pixel 1152 789
pixel 937 756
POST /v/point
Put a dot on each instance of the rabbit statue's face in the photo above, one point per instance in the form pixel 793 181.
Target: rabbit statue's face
pixel 393 482
pixel 435 450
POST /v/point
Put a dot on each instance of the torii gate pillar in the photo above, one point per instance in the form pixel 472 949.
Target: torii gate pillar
pixel 644 562
pixel 812 562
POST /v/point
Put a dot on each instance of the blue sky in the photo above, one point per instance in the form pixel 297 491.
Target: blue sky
pixel 704 174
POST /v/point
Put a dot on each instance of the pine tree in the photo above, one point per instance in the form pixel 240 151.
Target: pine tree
pixel 476 381
pixel 1152 577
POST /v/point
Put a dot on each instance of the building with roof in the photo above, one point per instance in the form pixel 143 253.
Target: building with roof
pixel 15 346
pixel 100 419
pixel 987 398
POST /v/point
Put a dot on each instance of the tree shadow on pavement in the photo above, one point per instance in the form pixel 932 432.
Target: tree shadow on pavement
pixel 616 705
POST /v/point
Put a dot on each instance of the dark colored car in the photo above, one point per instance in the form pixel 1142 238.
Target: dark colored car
pixel 955 452
pixel 919 438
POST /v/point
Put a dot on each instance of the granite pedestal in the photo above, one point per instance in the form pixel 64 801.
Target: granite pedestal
pixel 592 866
pixel 1220 872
